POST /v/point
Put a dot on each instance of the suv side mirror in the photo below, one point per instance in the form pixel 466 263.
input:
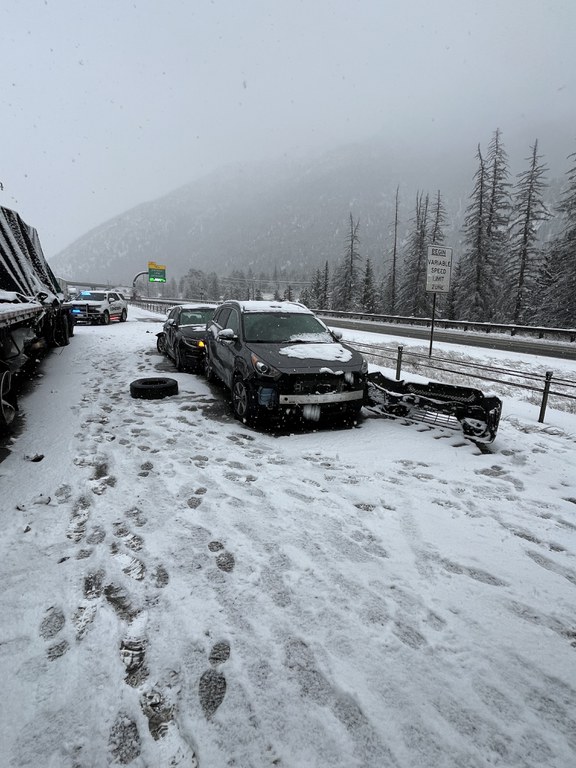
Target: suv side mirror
pixel 227 334
pixel 110 299
pixel 336 333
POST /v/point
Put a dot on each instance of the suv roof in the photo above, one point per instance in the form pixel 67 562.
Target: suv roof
pixel 269 306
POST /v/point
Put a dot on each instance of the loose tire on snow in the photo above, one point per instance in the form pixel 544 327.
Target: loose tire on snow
pixel 153 388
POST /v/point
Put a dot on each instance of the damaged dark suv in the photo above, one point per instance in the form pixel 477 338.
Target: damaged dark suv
pixel 278 359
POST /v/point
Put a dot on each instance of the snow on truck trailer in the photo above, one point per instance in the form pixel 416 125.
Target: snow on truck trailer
pixel 33 316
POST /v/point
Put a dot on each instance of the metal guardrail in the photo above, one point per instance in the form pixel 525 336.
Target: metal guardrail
pixel 541 332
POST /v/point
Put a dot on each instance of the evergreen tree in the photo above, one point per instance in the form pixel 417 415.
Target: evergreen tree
pixel 315 291
pixel 438 216
pixel 193 285
pixel 389 289
pixel 369 301
pixel 412 298
pixel 497 220
pixel 479 291
pixel 325 297
pixel 523 261
pixel 306 296
pixel 559 273
pixel 475 288
pixel 346 288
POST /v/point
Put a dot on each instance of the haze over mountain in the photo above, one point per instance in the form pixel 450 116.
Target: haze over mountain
pixel 288 215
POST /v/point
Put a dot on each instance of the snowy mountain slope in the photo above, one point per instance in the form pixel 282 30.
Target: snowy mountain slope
pixel 181 590
pixel 288 215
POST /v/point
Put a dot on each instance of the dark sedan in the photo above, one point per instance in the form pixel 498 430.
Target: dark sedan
pixel 184 334
pixel 279 359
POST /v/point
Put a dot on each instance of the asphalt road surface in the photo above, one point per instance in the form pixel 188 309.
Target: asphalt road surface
pixel 546 348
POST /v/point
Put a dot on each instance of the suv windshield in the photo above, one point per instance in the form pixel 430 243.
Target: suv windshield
pixel 284 327
pixel 92 295
pixel 196 316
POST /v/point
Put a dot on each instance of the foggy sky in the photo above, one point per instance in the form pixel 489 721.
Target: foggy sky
pixel 109 103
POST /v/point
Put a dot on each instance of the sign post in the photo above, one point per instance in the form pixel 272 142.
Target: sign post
pixel 156 272
pixel 438 276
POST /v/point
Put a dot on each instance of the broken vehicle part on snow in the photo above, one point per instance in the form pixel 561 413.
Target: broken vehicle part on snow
pixel 444 405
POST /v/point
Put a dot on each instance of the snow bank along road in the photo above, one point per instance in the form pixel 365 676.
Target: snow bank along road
pixel 179 590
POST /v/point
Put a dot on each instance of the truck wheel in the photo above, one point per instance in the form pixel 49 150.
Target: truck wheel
pixel 153 389
pixel 105 320
pixel 61 331
pixel 243 402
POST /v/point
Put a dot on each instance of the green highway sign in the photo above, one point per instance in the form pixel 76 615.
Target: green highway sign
pixel 156 272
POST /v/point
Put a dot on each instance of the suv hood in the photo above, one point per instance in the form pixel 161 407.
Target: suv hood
pixel 311 356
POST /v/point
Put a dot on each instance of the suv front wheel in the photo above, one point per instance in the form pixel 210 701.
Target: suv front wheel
pixel 105 317
pixel 243 401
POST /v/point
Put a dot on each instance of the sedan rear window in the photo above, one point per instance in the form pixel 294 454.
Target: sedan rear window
pixel 196 316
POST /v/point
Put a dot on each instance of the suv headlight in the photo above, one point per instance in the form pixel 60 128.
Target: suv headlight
pixel 194 343
pixel 263 369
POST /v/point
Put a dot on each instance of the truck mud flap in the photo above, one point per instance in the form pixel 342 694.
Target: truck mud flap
pixel 444 405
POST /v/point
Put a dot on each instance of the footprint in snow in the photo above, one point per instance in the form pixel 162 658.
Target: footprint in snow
pixel 124 742
pixel 224 560
pixel 212 685
pixel 51 625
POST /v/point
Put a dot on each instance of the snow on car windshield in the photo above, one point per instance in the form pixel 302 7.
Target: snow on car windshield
pixel 93 296
pixel 279 328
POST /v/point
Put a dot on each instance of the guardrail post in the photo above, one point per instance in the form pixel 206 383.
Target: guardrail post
pixel 399 362
pixel 545 394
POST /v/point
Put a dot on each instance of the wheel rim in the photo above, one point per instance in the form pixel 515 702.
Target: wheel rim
pixel 240 398
pixel 161 345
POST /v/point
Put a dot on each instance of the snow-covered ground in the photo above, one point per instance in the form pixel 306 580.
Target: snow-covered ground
pixel 178 589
